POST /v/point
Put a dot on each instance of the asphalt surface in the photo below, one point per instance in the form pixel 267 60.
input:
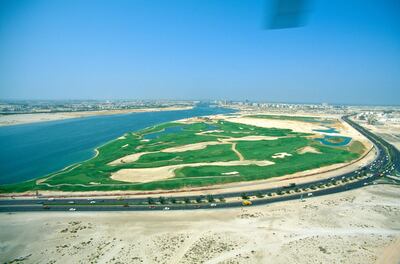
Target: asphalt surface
pixel 386 162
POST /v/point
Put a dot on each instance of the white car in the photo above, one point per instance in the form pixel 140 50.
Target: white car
pixel 50 199
pixel 213 204
pixel 166 208
pixel 71 202
pixel 309 194
pixel 92 202
pixel 72 209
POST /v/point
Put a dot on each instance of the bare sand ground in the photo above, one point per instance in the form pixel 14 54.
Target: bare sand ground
pixel 359 226
pixel 388 131
pixel 302 127
pixel 15 119
pixel 296 126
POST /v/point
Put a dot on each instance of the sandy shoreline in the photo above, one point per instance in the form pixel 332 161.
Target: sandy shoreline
pixel 359 226
pixel 16 119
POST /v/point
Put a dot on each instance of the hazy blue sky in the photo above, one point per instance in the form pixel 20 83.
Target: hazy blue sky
pixel 349 52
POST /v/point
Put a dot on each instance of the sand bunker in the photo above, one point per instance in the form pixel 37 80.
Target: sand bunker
pixel 251 138
pixel 308 149
pixel 281 155
pixel 166 172
pixel 195 146
pixel 128 159
pixel 210 131
pixel 296 126
pixel 230 173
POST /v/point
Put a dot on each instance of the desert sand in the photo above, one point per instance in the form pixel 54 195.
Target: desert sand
pixel 388 131
pixel 359 226
pixel 15 119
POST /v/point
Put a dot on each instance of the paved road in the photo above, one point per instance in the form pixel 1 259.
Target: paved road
pixel 387 161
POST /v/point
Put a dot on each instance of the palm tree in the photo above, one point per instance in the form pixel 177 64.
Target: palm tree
pixel 244 196
pixel 210 198
pixel 260 195
pixel 162 200
pixel 150 200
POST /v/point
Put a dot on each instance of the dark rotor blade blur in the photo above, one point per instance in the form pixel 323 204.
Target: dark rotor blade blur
pixel 288 14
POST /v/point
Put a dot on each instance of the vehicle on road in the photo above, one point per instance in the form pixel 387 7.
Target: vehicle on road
pixel 72 209
pixel 247 203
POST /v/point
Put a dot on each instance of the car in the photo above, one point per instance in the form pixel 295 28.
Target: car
pixel 50 199
pixel 46 207
pixel 310 194
pixel 213 205
pixel 72 209
pixel 166 208
pixel 71 202
pixel 92 202
pixel 246 203
pixel 152 207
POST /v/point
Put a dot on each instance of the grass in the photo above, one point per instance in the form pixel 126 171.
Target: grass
pixel 94 174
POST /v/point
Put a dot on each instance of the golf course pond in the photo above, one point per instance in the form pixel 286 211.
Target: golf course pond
pixel 334 140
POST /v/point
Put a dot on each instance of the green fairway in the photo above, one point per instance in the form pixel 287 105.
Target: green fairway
pixel 198 145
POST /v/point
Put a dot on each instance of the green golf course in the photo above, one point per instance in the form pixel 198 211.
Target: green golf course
pixel 201 153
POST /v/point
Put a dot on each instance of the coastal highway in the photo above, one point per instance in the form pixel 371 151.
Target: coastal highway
pixel 386 162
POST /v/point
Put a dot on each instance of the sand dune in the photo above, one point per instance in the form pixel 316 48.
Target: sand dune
pixel 360 226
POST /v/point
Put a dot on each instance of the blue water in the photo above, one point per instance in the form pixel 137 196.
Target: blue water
pixel 166 131
pixel 33 150
pixel 328 130
pixel 324 140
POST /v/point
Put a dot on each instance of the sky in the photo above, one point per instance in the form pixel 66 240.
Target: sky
pixel 347 52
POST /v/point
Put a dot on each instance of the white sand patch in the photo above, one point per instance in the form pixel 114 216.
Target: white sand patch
pixel 124 146
pixel 145 140
pixel 166 172
pixel 210 131
pixel 308 149
pixel 128 159
pixel 194 146
pixel 123 137
pixel 230 173
pixel 281 155
pixel 251 138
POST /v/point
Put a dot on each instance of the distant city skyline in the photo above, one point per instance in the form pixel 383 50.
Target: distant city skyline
pixel 348 53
